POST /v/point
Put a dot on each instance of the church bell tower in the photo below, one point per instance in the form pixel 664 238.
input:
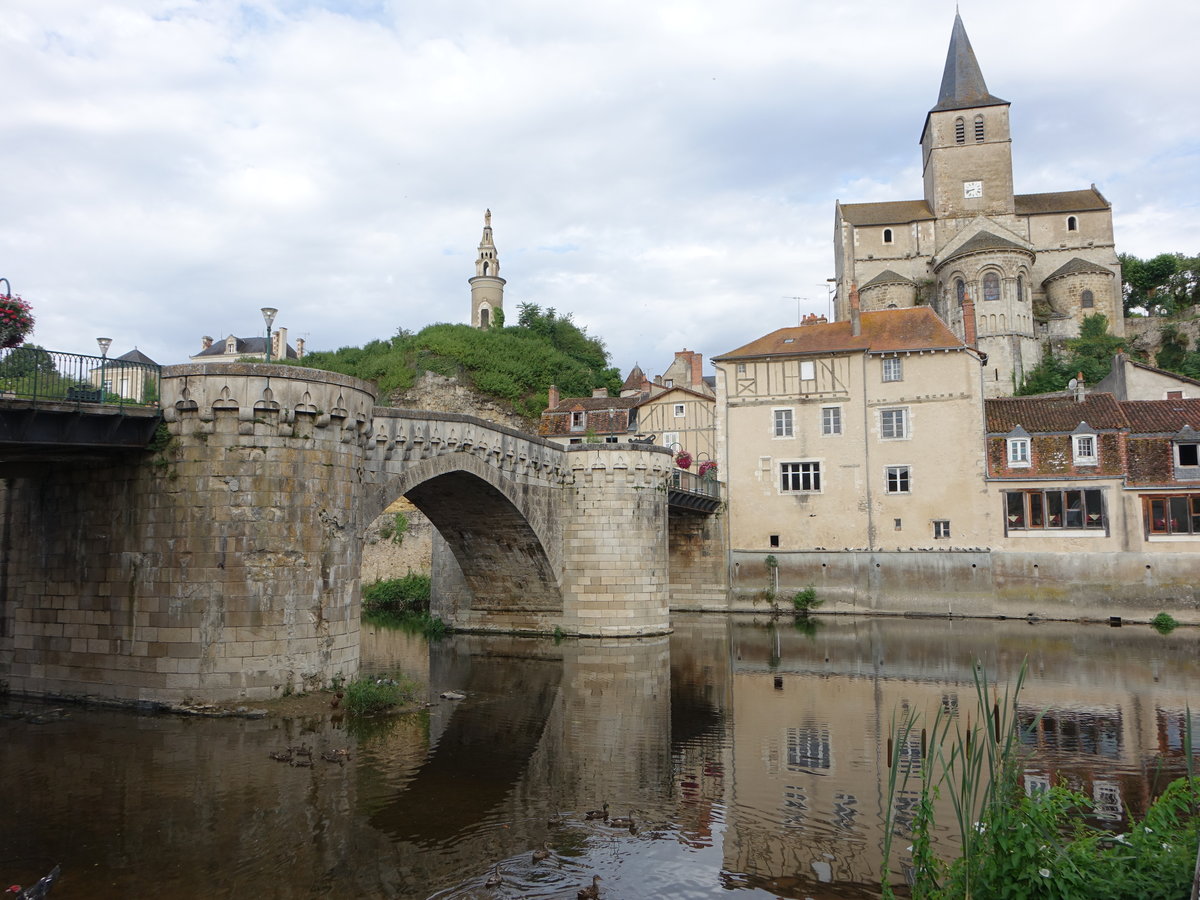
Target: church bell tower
pixel 487 287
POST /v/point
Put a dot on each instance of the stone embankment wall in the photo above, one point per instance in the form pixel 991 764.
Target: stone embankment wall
pixel 390 554
pixel 978 583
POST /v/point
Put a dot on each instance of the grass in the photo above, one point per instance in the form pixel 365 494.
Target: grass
pixel 371 695
pixel 1164 623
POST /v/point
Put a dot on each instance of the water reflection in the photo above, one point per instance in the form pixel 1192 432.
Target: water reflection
pixel 749 753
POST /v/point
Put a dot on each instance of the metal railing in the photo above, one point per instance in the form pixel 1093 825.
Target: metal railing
pixel 31 373
pixel 695 484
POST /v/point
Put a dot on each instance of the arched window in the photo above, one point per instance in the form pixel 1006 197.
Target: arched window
pixel 887 235
pixel 485 268
pixel 978 129
pixel 960 130
pixel 1072 223
pixel 1020 288
pixel 991 286
pixel 1087 300
pixel 484 317
pixel 960 290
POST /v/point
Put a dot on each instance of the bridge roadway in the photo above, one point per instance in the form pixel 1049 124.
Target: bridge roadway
pixel 225 563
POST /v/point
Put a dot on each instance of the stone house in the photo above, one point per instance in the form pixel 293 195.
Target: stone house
pixel 233 348
pixel 1129 379
pixel 595 419
pixel 1088 472
pixel 132 375
pixel 1034 265
pixel 858 434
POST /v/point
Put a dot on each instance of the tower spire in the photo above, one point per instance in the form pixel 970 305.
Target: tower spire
pixel 962 80
pixel 487 287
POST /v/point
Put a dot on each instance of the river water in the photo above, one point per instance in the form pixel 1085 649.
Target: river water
pixel 750 755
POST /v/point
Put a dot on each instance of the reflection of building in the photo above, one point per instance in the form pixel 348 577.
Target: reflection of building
pixel 133 376
pixel 1034 265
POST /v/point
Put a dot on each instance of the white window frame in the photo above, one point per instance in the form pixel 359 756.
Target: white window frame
pixel 1018 452
pixel 893 368
pixel 808 370
pixel 1195 450
pixel 831 421
pixel 897 479
pixel 941 529
pixel 783 422
pixel 670 439
pixel 1079 449
pixel 805 471
pixel 903 433
pixel 680 410
pixel 578 420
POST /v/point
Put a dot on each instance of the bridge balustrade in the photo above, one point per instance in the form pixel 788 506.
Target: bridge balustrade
pixel 33 373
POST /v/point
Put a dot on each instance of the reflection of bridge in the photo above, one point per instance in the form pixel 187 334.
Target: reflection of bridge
pixel 225 561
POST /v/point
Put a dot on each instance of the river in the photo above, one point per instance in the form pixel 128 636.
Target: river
pixel 750 756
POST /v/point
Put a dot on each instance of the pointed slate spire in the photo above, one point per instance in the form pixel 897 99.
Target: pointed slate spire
pixel 962 81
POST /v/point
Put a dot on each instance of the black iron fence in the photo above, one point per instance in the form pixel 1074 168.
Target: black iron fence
pixel 695 484
pixel 31 373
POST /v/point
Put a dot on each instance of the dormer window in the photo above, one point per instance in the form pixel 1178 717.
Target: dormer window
pixel 1083 448
pixel 1072 223
pixel 887 235
pixel 978 129
pixel 578 420
pixel 1187 452
pixel 960 130
pixel 231 345
pixel 1017 445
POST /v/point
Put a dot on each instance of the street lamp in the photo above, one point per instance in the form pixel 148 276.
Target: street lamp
pixel 104 343
pixel 269 317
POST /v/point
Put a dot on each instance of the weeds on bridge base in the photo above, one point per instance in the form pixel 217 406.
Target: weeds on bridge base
pixel 1017 845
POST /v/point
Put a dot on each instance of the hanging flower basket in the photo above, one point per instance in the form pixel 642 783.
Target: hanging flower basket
pixel 16 320
pixel 683 459
pixel 708 470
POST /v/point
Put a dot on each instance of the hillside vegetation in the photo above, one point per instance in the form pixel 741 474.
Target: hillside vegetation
pixel 514 364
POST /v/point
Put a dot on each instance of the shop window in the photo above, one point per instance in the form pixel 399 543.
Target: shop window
pixel 1172 513
pixel 1054 509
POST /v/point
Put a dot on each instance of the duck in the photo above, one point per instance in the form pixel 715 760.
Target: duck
pixel 556 821
pixel 302 762
pixel 282 755
pixel 622 821
pixel 597 813
pixel 336 756
pixel 495 879
pixel 544 853
pixel 590 893
pixel 37 891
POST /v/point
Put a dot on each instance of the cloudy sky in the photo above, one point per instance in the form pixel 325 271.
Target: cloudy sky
pixel 663 171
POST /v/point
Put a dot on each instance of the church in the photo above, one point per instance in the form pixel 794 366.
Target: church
pixel 1005 271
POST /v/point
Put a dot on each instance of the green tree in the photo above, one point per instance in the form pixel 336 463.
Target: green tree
pixel 1090 355
pixel 1162 285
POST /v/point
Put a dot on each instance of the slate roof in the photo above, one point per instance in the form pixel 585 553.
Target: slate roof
pixel 1161 416
pixel 887 276
pixel 136 356
pixel 1060 202
pixel 895 212
pixel 1076 266
pixel 245 347
pixel 914 328
pixel 984 242
pixel 1041 415
pixel 635 380
pixel 962 81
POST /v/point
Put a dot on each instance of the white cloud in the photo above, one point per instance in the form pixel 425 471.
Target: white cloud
pixel 664 172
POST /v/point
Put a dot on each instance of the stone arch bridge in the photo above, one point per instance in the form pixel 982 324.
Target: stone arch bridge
pixel 224 562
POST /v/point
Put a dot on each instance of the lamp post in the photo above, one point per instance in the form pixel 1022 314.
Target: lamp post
pixel 268 313
pixel 104 343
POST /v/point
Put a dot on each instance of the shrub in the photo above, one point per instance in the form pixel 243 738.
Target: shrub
pixel 1164 623
pixel 407 594
pixel 372 695
pixel 806 599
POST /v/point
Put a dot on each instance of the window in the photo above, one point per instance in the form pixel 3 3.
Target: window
pixel 893 369
pixel 898 479
pixel 1083 447
pixel 773 540
pixel 799 477
pixel 991 286
pixel 611 439
pixel 1172 514
pixel 941 529
pixel 887 235
pixel 808 747
pixel 1054 509
pixel 678 410
pixel 578 420
pixel 808 370
pixel 741 368
pixel 1187 455
pixel 670 440
pixel 1087 300
pixel 1018 453
pixel 831 420
pixel 1072 223
pixel 898 524
pixel 893 424
pixel 669 382
pixel 960 291
pixel 783 423
pixel 1020 288
pixel 960 130
pixel 978 129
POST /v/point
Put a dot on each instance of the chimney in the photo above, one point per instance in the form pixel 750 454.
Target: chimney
pixel 599 392
pixel 855 310
pixel 205 342
pixel 1080 388
pixel 968 313
pixel 552 396
pixel 299 348
pixel 697 369
pixel 279 344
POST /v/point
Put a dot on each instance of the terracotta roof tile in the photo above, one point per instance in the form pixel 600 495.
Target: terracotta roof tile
pixel 1161 416
pixel 914 328
pixel 568 404
pixel 1041 415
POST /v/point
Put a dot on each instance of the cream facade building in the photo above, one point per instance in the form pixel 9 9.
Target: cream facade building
pixel 1034 265
pixel 862 434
